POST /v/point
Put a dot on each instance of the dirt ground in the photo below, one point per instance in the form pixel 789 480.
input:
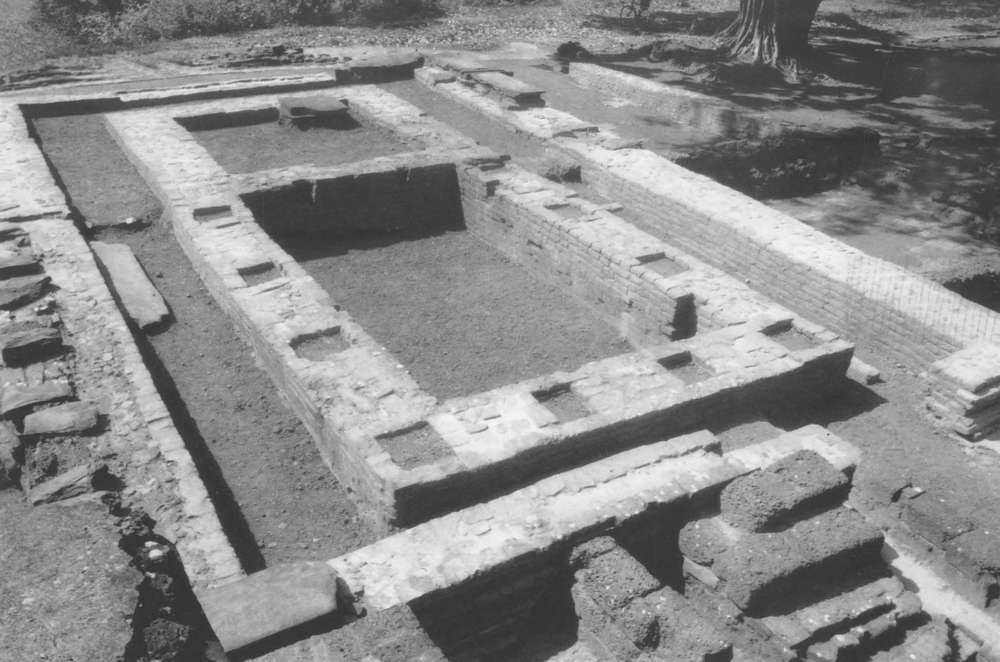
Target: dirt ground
pixel 266 145
pixel 277 499
pixel 459 315
pixel 94 584
pixel 246 438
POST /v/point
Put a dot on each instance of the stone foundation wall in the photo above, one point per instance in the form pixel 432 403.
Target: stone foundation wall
pixel 898 314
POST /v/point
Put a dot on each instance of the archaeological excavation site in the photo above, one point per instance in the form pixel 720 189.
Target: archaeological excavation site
pixel 399 356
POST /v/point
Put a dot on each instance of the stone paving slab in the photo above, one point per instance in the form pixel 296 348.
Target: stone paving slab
pixel 140 298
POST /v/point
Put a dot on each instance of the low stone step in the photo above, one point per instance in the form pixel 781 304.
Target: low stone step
pixel 838 614
pixel 139 297
pixel 757 568
pixel 16 397
pixel 21 344
pixel 776 494
pixel 511 88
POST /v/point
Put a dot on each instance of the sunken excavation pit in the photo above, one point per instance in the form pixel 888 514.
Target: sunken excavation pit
pixel 445 408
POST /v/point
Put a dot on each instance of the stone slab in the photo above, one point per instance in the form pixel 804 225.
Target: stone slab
pixel 16 397
pixel 69 484
pixel 510 87
pixel 318 106
pixel 140 298
pixel 66 418
pixel 465 65
pixel 21 344
pixel 21 290
pixel 270 601
pixel 19 264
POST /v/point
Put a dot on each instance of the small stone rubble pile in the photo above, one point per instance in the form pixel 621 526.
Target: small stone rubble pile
pixel 38 401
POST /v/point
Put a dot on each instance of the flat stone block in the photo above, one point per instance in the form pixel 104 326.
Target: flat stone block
pixel 18 264
pixel 510 87
pixel 17 397
pixel 20 290
pixel 140 298
pixel 974 368
pixel 314 107
pixel 66 418
pixel 770 497
pixel 270 601
pixel 21 344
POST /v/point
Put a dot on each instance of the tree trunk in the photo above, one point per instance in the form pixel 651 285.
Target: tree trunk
pixel 771 31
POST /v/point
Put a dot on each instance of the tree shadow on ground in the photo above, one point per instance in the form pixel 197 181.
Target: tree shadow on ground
pixel 700 23
pixel 936 106
pixel 949 8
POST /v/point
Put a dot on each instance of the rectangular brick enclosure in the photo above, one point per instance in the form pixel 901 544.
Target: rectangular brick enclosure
pixel 601 337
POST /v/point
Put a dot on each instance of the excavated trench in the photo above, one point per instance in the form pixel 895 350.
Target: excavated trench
pixel 276 498
pixel 462 317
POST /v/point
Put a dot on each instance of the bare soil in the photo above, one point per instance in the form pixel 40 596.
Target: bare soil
pixel 254 147
pixel 75 549
pixel 277 499
pixel 460 316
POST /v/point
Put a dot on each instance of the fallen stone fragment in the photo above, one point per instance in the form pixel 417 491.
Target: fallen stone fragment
pixel 862 372
pixel 137 293
pixel 73 483
pixel 21 290
pixel 19 264
pixel 62 419
pixel 270 601
pixel 29 343
pixel 16 397
pixel 10 444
